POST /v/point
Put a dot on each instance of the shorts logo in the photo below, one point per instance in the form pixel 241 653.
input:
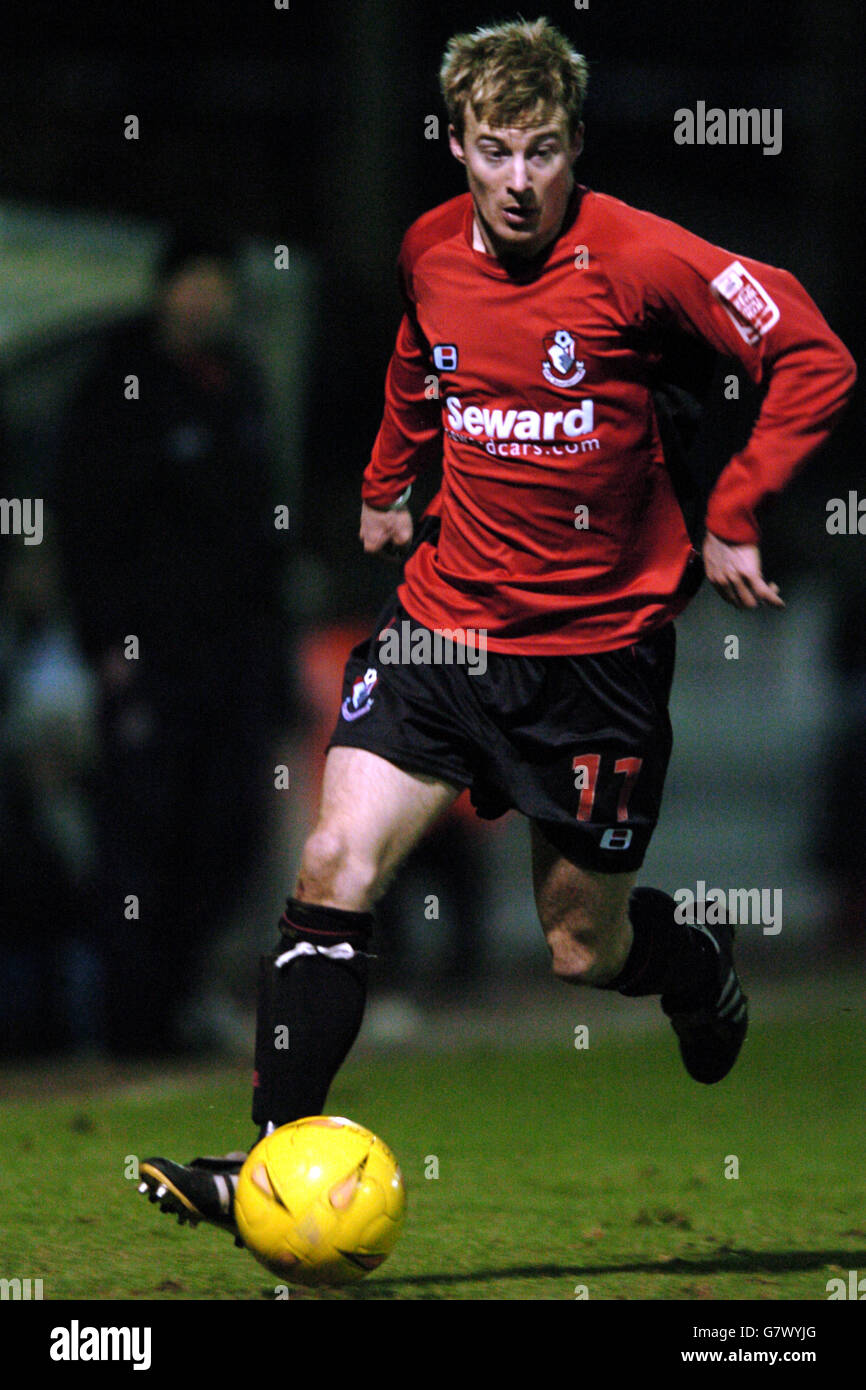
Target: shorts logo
pixel 616 839
pixel 445 357
pixel 746 302
pixel 561 368
pixel 361 699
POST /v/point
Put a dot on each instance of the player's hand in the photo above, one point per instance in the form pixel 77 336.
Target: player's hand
pixel 735 572
pixel 387 532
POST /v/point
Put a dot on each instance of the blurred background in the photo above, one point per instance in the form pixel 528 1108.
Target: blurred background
pixel 210 206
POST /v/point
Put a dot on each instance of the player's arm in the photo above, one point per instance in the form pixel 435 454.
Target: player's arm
pixel 410 435
pixel 809 375
pixel 762 317
pixel 409 440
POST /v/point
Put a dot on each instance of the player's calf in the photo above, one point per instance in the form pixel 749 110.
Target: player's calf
pixel 603 932
pixel 312 993
pixel 584 915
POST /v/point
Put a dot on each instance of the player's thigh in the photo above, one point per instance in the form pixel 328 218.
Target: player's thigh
pixel 583 913
pixel 372 814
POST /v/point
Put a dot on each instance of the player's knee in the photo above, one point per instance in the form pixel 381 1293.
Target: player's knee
pixel 572 956
pixel 584 953
pixel 336 873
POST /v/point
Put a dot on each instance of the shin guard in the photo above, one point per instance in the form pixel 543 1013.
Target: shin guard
pixel 312 992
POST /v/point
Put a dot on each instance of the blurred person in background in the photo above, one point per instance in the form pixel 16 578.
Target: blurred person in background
pixel 166 527
pixel 49 959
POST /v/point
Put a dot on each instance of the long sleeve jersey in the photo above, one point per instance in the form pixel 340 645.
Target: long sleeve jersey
pixel 561 531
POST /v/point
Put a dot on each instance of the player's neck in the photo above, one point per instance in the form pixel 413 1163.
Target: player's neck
pixel 517 262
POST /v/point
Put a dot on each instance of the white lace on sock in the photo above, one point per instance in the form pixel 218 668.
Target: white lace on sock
pixel 342 951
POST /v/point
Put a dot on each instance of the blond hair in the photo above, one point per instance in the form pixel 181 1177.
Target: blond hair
pixel 513 75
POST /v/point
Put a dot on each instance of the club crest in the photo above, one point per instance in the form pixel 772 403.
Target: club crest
pixel 561 367
pixel 361 699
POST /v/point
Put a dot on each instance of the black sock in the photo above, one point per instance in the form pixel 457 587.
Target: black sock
pixel 309 1010
pixel 667 957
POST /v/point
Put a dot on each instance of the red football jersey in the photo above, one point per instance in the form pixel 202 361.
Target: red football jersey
pixel 560 527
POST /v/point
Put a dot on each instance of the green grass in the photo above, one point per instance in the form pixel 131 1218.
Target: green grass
pixel 603 1168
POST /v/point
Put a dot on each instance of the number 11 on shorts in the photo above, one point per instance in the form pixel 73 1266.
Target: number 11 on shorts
pixel 586 769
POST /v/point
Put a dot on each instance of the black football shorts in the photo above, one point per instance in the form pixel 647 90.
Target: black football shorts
pixel 579 744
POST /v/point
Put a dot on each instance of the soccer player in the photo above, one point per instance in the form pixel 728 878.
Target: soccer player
pixel 559 330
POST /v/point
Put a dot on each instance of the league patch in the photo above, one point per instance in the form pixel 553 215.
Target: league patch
pixel 445 357
pixel 361 699
pixel 561 367
pixel 746 302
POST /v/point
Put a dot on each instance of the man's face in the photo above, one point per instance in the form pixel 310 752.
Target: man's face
pixel 197 305
pixel 520 180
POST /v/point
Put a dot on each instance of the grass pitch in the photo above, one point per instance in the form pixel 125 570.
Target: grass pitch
pixel 558 1170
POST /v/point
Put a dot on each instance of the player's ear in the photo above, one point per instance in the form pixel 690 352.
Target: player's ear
pixel 577 143
pixel 455 145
